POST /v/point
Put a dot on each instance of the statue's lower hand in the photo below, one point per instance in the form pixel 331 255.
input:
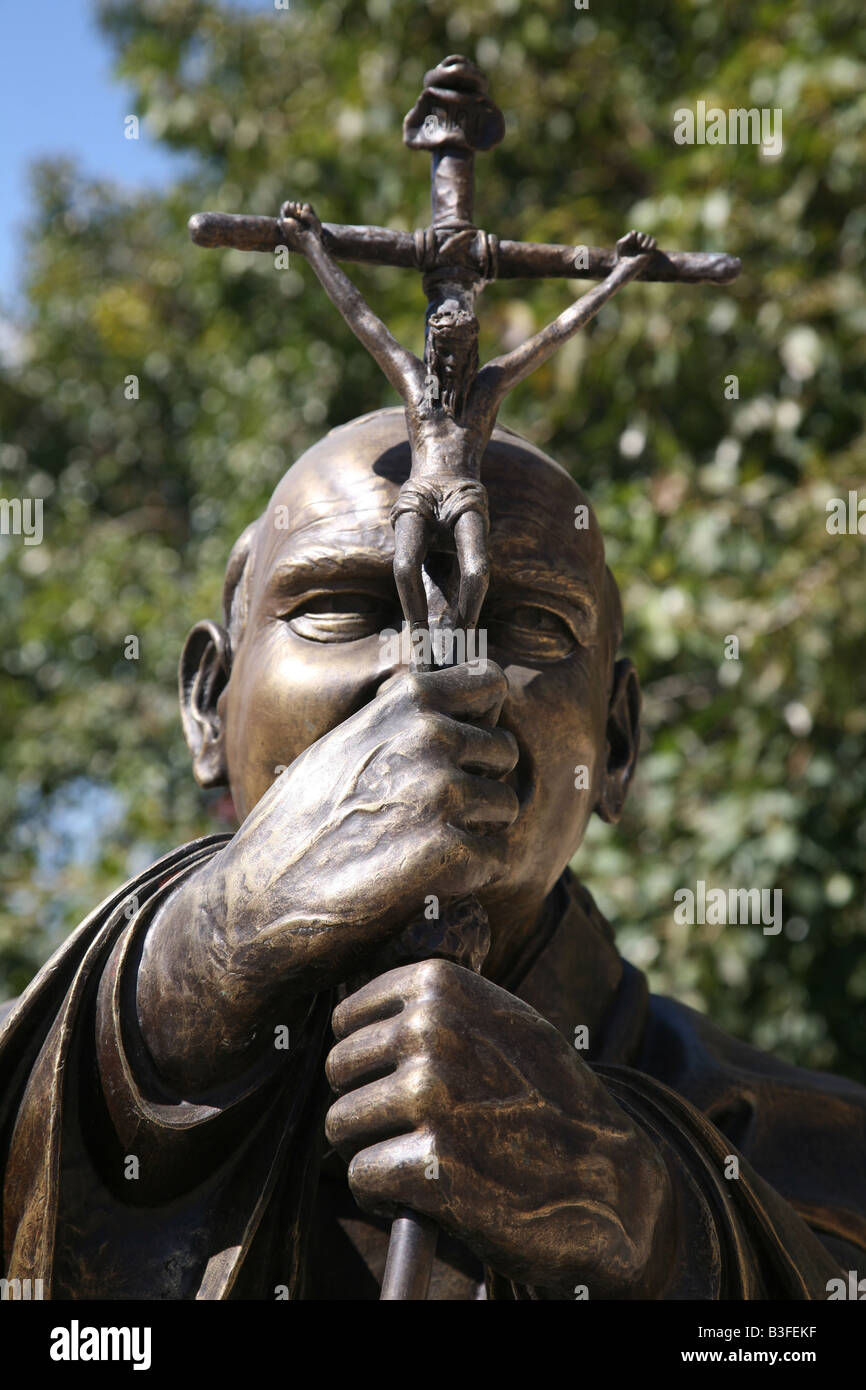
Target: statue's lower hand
pixel 636 244
pixel 459 1100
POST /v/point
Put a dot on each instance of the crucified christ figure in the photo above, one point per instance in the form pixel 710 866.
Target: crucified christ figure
pixel 451 409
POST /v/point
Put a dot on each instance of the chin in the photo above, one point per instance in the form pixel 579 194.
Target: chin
pixel 526 878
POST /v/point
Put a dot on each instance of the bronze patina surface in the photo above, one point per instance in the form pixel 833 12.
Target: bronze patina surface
pixel 237 1070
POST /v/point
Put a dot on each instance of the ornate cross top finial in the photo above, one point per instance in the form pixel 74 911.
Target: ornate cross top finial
pixel 452 118
pixel 454 110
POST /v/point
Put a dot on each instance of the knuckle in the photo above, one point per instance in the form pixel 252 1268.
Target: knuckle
pixel 448 793
pixel 359 1177
pixel 331 1071
pixel 491 675
pixel 442 793
pixel 421 1089
pixel 429 727
pixel 455 850
pixel 418 1027
pixel 415 689
pixel 369 1183
pixel 509 743
pixel 432 980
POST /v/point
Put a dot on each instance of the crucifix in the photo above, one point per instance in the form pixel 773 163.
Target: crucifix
pixel 451 405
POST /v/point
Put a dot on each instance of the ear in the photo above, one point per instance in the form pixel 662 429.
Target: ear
pixel 202 677
pixel 623 734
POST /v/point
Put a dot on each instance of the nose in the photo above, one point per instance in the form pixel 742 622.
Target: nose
pixel 394 659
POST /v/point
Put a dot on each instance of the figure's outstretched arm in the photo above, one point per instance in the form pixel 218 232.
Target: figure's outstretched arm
pixel 502 374
pixel 402 368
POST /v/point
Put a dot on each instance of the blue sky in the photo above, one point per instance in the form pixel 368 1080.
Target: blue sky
pixel 58 97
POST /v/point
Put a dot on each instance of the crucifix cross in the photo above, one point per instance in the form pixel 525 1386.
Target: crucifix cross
pixel 451 404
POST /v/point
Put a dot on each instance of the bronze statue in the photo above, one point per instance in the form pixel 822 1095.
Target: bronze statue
pixel 223 1086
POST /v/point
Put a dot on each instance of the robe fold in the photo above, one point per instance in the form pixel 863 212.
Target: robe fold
pixel 115 1187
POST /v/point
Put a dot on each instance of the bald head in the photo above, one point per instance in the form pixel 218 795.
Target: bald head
pixel 334 497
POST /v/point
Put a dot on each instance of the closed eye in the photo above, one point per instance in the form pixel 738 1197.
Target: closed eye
pixel 340 616
pixel 530 631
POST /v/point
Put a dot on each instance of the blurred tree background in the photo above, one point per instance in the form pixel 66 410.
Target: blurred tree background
pixel 753 773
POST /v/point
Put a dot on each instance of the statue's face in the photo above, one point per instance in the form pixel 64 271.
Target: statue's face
pixel 454 333
pixel 322 592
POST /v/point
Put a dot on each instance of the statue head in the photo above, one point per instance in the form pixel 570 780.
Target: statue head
pixel 310 591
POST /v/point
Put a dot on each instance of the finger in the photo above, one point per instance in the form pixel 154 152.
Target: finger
pixel 389 994
pixel 392 1105
pixel 482 804
pixel 470 858
pixel 398 1172
pixel 369 1054
pixel 464 692
pixel 384 997
pixel 474 748
pixel 481 750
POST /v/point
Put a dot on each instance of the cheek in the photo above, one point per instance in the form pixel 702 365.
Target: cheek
pixel 559 714
pixel 283 695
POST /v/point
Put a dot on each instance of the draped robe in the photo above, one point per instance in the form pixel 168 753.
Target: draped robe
pixel 114 1186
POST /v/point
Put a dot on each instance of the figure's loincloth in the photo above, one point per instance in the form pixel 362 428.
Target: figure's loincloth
pixel 442 502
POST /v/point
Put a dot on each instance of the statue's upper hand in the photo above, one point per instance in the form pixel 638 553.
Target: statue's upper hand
pixel 403 800
pixel 635 244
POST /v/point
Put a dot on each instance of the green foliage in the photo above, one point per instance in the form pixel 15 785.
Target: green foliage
pixel 753 772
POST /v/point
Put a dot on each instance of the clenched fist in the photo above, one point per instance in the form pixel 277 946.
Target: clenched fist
pixel 462 1102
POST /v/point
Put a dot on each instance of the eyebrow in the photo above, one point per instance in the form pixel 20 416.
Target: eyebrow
pixel 295 574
